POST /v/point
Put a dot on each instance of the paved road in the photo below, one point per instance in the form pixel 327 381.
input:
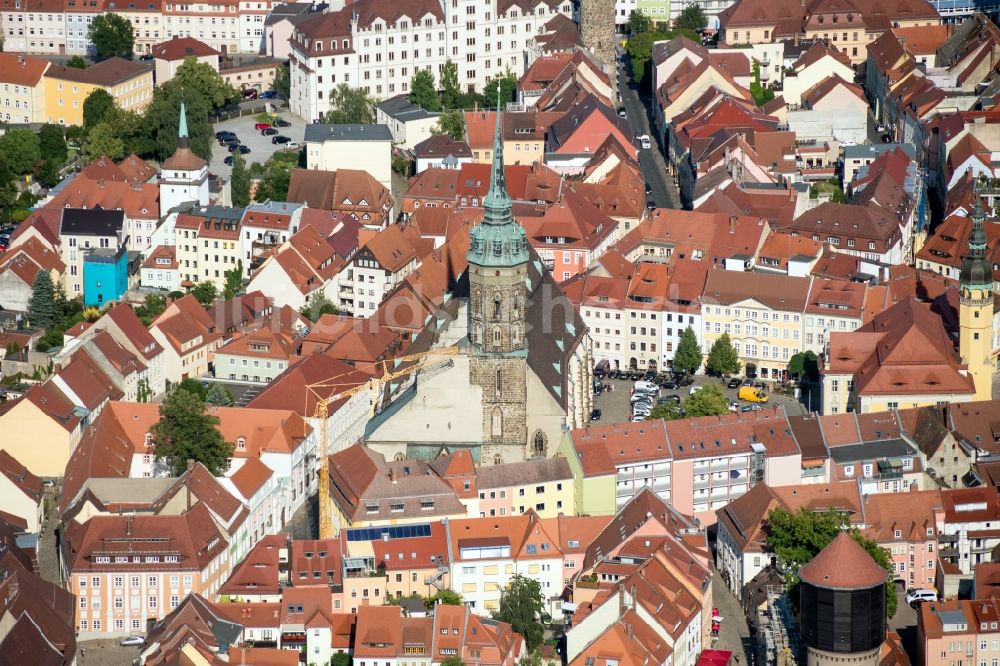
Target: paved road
pixel 734 634
pixel 654 168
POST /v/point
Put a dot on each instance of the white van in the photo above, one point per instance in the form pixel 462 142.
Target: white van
pixel 915 597
pixel 647 387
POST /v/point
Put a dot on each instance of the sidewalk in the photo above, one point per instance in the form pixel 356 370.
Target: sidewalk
pixel 734 635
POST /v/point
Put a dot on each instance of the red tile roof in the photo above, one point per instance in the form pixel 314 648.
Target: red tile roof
pixel 843 565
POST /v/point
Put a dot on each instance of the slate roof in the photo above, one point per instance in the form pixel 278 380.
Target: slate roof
pixel 319 132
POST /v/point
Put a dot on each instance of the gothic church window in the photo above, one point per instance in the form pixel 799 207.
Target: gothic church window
pixel 499 380
pixel 497 336
pixel 497 460
pixel 538 443
pixel 496 305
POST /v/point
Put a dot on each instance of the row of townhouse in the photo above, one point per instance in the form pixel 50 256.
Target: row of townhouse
pixel 62 27
pixel 305 622
pixel 378 48
pixel 933 536
pixel 35 90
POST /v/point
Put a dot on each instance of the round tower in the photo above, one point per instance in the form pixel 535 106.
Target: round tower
pixel 597 30
pixel 975 310
pixel 842 605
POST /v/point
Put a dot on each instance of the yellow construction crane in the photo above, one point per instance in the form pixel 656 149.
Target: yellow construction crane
pixel 423 361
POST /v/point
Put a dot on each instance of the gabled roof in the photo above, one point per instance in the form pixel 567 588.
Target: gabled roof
pixel 20 476
pixel 180 48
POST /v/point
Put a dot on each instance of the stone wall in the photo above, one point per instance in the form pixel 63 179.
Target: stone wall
pixel 597 29
pixel 505 430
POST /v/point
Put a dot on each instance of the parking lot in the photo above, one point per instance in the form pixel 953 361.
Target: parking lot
pixel 616 408
pixel 260 146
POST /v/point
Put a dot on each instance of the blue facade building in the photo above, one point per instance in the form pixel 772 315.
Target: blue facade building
pixel 105 276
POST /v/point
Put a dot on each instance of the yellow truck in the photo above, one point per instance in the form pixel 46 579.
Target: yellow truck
pixel 751 394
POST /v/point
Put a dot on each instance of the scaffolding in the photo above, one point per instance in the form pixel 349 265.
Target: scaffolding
pixel 778 638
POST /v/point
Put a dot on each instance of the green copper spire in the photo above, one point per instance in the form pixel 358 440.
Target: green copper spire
pixel 499 241
pixel 976 269
pixel 497 202
pixel 182 128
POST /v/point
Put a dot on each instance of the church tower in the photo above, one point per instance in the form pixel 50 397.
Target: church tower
pixel 975 314
pixel 184 177
pixel 498 269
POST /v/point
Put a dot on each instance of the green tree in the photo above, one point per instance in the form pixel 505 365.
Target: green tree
pixel 450 91
pixel 186 431
pixel 239 182
pixel 522 606
pixel 152 307
pixel 274 182
pixel 76 62
pixel 687 358
pixel 451 123
pixel 201 77
pixel 282 84
pixel 317 307
pixel 507 84
pixel 452 661
pixel 761 93
pixel 668 411
pixel 722 358
pixel 52 142
pixel 219 395
pixel 804 365
pixel 104 139
pixel 112 35
pixel 49 173
pixel 205 292
pixel 796 538
pixel 21 150
pixel 341 659
pixel 640 48
pixel 194 387
pixel 709 400
pixel 423 91
pixel 162 119
pixel 692 18
pixel 447 596
pixel 350 106
pixel 234 281
pixel 41 304
pixel 637 22
pixel 96 106
pixel 142 392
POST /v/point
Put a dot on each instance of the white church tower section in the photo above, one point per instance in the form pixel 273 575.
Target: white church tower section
pixel 184 175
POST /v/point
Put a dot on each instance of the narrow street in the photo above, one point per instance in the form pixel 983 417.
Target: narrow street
pixel 651 161
pixel 734 634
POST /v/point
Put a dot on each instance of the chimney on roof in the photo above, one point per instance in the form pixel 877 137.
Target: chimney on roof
pixel 20 59
pixel 795 39
pixel 732 224
pixel 128 525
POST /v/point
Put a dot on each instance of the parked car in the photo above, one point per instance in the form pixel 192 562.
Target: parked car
pixel 249 94
pixel 643 412
pixel 649 188
pixel 886 138
pixel 270 131
pixel 916 597
pixel 595 415
pixel 222 134
pixel 268 94
pixel 229 140
pixel 622 113
pixel 132 640
pixel 240 148
pixel 645 142
pixel 733 383
pixel 281 122
pixel 683 379
pixel 262 126
pixel 673 396
pixel 734 406
pixel 228 161
pixel 280 140
pixel 291 145
pixel 669 384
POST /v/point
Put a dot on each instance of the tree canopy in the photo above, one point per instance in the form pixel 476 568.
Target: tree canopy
pixel 234 280
pixel 239 182
pixel 202 77
pixel 52 142
pixel 318 306
pixel 709 400
pixel 804 365
pixel 640 48
pixel 692 18
pixel 687 358
pixel 104 139
pixel 219 395
pixel 163 114
pixel 21 150
pixel 282 84
pixel 447 596
pixel 186 431
pixel 722 358
pixel 423 91
pixel 349 106
pixel 450 123
pixel 761 93
pixel 112 35
pixel 76 62
pixel 97 105
pixel 798 537
pixel 507 84
pixel 41 304
pixel 205 292
pixel 667 411
pixel 451 92
pixel 637 22
pixel 522 606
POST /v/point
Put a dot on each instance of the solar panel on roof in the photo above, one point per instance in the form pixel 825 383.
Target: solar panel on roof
pixel 392 531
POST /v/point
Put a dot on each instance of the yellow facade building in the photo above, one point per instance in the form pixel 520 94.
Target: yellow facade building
pixel 130 83
pixel 22 92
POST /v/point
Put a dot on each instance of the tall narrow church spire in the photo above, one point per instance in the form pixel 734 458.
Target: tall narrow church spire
pixel 976 269
pixel 497 204
pixel 182 128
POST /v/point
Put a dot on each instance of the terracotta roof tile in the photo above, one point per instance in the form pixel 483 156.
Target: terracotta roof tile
pixel 843 565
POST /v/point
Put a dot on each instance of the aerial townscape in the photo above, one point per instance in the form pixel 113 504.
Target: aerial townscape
pixel 500 333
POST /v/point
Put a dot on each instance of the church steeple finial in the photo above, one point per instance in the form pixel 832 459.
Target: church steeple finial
pixel 976 269
pixel 497 203
pixel 182 128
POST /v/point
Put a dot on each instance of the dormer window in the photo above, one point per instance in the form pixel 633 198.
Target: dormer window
pixel 241 444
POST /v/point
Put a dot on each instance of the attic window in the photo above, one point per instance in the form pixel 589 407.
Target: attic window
pixel 241 443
